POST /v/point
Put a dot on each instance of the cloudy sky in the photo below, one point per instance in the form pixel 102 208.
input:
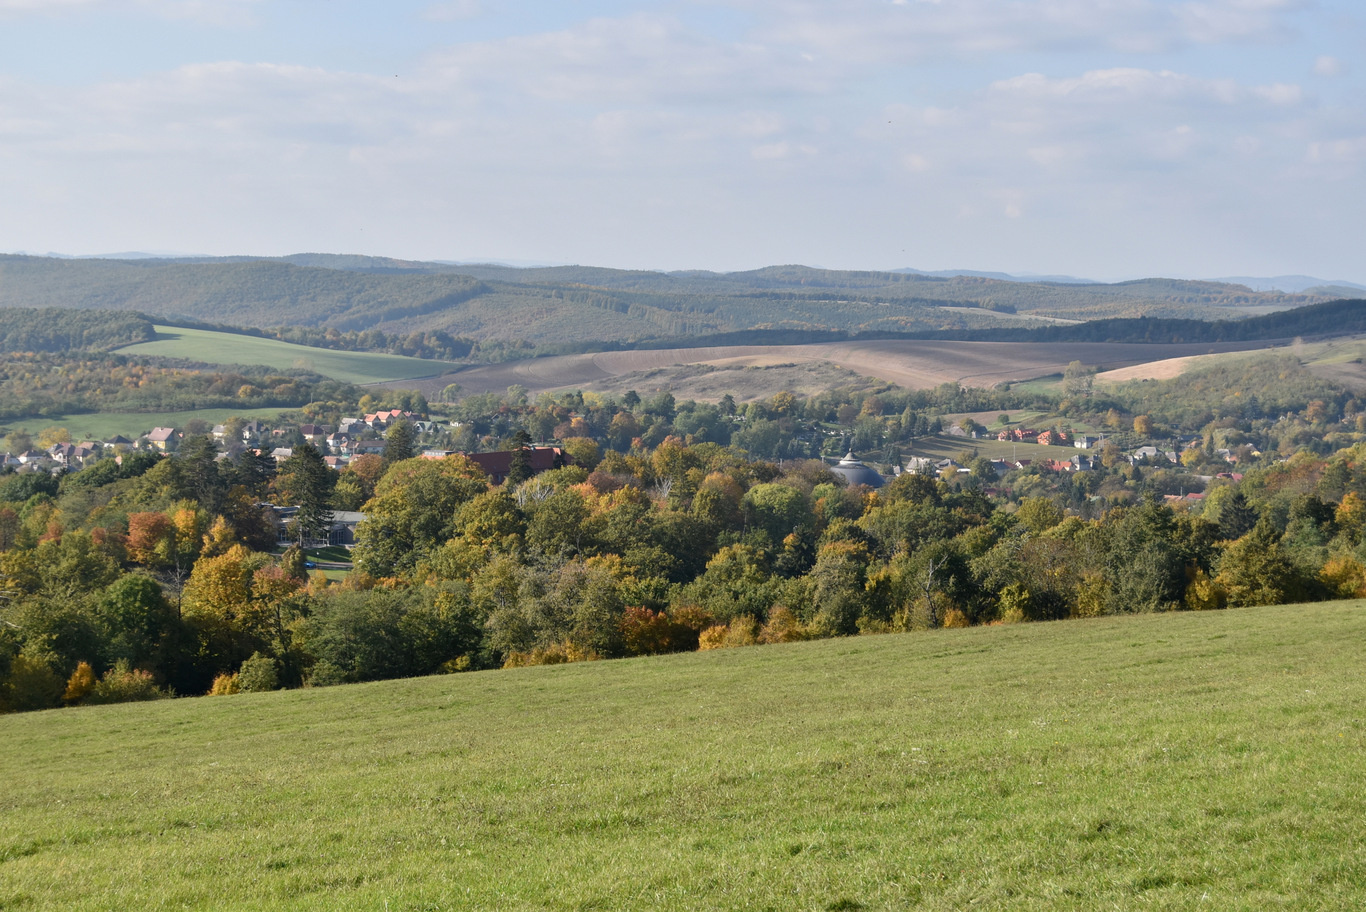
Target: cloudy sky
pixel 1104 138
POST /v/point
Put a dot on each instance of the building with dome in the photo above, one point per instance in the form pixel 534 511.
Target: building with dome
pixel 855 472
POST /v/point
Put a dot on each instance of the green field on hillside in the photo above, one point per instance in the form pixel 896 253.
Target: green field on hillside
pixel 1209 760
pixel 233 348
pixel 103 425
pixel 947 446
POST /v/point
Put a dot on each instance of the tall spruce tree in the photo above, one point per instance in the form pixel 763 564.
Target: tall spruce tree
pixel 519 466
pixel 308 482
pixel 399 443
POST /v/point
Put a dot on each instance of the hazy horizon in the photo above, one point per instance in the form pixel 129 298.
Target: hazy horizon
pixel 1199 138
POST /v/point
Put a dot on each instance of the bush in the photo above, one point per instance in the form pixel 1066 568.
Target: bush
pixel 32 684
pixel 742 631
pixel 325 674
pixel 554 654
pixel 225 685
pixel 258 674
pixel 712 638
pixel 79 685
pixel 955 617
pixel 783 627
pixel 124 684
pixel 647 632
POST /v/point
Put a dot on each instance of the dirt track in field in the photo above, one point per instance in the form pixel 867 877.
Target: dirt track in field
pixel 910 364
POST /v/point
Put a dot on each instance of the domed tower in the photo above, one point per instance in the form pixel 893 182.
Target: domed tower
pixel 855 472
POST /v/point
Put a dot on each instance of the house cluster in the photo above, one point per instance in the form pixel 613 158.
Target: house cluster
pixel 62 456
pixel 1054 437
pixel 350 438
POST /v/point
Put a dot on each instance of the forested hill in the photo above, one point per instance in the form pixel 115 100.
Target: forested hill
pixel 26 329
pixel 576 305
pixel 1331 318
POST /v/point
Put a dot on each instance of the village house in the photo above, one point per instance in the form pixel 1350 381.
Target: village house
pixel 498 464
pixel 313 433
pixel 165 439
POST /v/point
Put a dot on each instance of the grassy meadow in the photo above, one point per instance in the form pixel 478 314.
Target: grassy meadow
pixel 233 348
pixel 1165 761
pixel 947 446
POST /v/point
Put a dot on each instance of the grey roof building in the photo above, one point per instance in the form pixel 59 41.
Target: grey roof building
pixel 855 472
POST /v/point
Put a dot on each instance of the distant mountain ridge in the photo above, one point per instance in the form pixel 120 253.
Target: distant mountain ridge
pixel 1294 284
pixel 574 305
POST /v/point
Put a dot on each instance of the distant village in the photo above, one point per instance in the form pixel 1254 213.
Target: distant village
pixel 365 434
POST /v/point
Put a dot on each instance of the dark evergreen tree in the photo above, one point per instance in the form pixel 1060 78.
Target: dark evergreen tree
pixel 1237 517
pixel 519 468
pixel 399 443
pixel 199 459
pixel 307 482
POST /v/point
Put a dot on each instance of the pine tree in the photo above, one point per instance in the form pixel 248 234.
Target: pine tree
pixel 519 467
pixel 399 443
pixel 308 482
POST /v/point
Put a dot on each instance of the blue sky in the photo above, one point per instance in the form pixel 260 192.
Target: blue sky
pixel 1106 139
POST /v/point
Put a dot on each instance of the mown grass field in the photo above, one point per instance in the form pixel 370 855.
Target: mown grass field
pixel 1165 761
pixel 946 446
pixel 231 348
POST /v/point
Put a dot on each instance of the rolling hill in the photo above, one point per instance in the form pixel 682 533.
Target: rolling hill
pixel 568 305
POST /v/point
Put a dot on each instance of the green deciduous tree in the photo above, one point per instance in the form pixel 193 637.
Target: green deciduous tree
pixel 414 511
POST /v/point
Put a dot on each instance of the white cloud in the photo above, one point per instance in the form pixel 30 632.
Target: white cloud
pixel 642 58
pixel 595 141
pixel 863 31
pixel 1324 65
pixel 1338 151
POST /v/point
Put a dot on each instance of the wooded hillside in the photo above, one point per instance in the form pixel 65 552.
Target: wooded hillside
pixel 567 305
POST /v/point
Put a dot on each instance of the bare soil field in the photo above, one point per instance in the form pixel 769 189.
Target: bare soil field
pixel 1341 360
pixel 910 364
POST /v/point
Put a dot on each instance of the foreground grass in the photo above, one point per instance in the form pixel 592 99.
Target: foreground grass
pixel 1176 761
pixel 232 348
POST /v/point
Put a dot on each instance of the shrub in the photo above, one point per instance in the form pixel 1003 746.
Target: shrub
pixel 743 630
pixel 258 674
pixel 713 637
pixel 647 632
pixel 326 674
pixel 783 627
pixel 79 685
pixel 124 684
pixel 1344 576
pixel 554 654
pixel 1204 594
pixel 955 617
pixel 32 684
pixel 225 685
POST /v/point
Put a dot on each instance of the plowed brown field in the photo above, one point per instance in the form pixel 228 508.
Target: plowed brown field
pixel 911 364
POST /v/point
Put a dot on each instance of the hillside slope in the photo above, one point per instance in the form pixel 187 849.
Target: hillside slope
pixel 563 305
pixel 1164 761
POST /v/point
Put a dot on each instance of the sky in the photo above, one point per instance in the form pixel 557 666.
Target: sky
pixel 1100 138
